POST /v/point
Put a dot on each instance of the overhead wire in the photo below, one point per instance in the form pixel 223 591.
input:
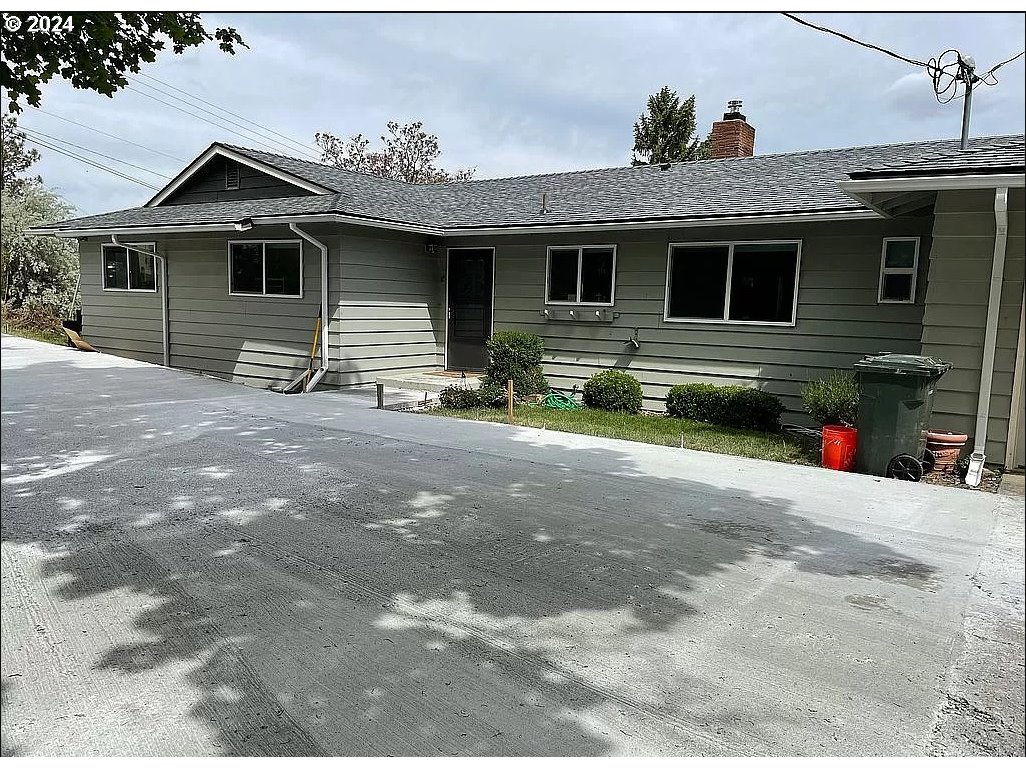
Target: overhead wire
pixel 33 132
pixel 87 161
pixel 946 71
pixel 109 135
pixel 300 146
pixel 263 144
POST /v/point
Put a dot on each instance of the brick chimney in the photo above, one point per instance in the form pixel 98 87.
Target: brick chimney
pixel 732 137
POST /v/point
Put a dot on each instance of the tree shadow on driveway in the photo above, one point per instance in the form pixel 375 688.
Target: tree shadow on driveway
pixel 336 592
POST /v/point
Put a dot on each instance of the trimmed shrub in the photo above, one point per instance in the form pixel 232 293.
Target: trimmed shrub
pixel 834 400
pixel 492 396
pixel 730 406
pixel 613 391
pixel 456 397
pixel 516 355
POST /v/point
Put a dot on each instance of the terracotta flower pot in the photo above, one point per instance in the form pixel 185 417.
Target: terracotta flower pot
pixel 946 447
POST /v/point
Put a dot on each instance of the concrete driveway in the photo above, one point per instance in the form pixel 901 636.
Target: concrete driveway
pixel 192 567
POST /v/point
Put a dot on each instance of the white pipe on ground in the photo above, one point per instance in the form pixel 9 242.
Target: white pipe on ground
pixel 997 274
pixel 164 336
pixel 324 296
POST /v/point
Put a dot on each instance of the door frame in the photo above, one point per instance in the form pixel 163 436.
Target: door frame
pixel 491 324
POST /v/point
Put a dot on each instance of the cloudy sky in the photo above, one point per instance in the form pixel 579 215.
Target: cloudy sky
pixel 517 94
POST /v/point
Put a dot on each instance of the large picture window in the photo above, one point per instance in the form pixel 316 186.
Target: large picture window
pixel 580 275
pixel 899 264
pixel 128 270
pixel 265 268
pixel 733 282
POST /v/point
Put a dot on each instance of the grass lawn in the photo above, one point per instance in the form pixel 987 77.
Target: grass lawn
pixel 649 428
pixel 53 337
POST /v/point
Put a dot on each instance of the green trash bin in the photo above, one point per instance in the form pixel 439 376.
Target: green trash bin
pixel 895 402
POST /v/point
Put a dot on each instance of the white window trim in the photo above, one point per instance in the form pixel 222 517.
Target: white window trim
pixel 263 263
pixel 730 271
pixel 103 268
pixel 885 270
pixel 580 265
pixel 228 163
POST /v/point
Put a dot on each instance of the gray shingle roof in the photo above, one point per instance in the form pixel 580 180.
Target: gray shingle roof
pixel 798 182
pixel 1001 154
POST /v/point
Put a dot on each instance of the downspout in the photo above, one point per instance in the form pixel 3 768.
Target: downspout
pixel 165 338
pixel 997 274
pixel 319 374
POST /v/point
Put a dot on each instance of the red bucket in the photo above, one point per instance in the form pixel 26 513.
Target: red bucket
pixel 839 447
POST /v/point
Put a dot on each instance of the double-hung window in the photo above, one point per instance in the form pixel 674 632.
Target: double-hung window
pixel 580 275
pixel 128 270
pixel 899 263
pixel 755 282
pixel 265 268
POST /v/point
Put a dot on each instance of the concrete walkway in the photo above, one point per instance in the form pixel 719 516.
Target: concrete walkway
pixel 191 567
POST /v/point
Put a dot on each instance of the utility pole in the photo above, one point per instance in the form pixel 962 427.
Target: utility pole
pixel 967 72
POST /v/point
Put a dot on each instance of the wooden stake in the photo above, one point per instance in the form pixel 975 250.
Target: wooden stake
pixel 509 401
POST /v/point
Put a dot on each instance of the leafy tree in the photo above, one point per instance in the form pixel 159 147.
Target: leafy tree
pixel 98 49
pixel 665 132
pixel 407 154
pixel 36 273
pixel 16 159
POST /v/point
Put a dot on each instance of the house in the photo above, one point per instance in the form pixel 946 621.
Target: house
pixel 764 270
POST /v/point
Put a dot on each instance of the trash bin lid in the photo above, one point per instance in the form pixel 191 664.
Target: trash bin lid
pixel 895 363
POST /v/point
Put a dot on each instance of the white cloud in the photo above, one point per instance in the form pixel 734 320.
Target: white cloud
pixel 533 93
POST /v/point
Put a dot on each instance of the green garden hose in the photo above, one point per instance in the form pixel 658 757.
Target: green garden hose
pixel 556 400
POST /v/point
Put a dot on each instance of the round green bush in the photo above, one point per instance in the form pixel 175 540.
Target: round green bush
pixel 458 398
pixel 834 400
pixel 516 355
pixel 613 391
pixel 729 406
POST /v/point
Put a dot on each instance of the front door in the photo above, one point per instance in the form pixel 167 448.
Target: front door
pixel 470 308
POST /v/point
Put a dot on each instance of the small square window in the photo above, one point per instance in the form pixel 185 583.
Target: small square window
pixel 273 268
pixel 125 269
pixel 899 263
pixel 581 275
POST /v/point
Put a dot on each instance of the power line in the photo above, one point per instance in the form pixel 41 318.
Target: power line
pixel 110 136
pixel 33 132
pixel 850 39
pixel 948 71
pixel 249 136
pixel 301 146
pixel 87 161
pixel 223 127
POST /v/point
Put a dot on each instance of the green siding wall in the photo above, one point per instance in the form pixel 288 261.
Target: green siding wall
pixel 390 307
pixel 117 322
pixel 839 319
pixel 956 309
pixel 384 304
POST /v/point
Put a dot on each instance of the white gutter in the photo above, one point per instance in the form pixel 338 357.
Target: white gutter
pixel 997 274
pixel 157 229
pixel 164 336
pixel 927 183
pixel 639 224
pixel 324 303
pixel 726 221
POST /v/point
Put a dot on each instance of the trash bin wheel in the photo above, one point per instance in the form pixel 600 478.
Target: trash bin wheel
pixel 929 462
pixel 905 467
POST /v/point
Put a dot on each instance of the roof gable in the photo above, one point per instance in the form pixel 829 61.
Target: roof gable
pixel 193 175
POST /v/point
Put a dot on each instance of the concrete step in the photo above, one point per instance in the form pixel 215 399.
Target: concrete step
pixel 429 381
